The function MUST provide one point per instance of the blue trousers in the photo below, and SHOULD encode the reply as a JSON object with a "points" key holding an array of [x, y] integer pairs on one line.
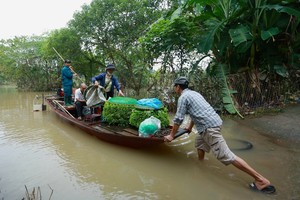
{"points": [[67, 94]]}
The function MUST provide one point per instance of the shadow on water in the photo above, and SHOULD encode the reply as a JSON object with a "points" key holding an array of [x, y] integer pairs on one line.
{"points": [[38, 149]]}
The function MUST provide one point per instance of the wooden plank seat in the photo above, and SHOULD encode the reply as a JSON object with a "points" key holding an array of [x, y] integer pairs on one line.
{"points": [[132, 131], [62, 103], [125, 133], [69, 108]]}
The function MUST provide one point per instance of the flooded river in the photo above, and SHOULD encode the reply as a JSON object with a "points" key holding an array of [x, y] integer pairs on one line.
{"points": [[37, 149]]}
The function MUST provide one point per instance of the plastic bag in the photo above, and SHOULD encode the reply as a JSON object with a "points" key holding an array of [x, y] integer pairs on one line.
{"points": [[150, 102], [123, 100], [149, 127], [86, 110], [94, 95]]}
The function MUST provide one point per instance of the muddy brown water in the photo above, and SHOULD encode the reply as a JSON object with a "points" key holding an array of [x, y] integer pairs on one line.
{"points": [[37, 149]]}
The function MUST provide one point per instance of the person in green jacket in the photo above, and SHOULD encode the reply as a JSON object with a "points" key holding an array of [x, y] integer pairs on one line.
{"points": [[67, 74]]}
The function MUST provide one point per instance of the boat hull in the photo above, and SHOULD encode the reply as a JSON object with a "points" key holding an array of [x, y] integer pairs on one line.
{"points": [[117, 135]]}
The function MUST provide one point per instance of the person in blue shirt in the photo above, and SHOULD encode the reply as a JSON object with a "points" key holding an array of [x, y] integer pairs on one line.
{"points": [[209, 138], [67, 74], [108, 81]]}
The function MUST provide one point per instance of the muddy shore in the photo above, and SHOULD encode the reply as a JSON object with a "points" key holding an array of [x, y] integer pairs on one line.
{"points": [[283, 127]]}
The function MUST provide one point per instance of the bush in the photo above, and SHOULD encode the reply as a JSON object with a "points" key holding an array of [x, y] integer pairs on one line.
{"points": [[117, 114]]}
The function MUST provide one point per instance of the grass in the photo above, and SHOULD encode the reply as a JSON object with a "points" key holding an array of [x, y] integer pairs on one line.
{"points": [[36, 194]]}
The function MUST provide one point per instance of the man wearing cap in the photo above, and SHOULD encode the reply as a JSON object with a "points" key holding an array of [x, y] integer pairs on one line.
{"points": [[67, 74], [108, 81], [208, 125]]}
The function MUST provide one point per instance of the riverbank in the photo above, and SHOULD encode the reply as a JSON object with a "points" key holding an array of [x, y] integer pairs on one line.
{"points": [[282, 127]]}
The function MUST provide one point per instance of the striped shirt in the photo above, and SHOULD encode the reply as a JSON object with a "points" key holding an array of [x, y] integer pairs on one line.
{"points": [[200, 111]]}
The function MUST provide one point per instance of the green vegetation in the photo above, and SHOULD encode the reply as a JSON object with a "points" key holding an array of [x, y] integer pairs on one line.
{"points": [[235, 53], [256, 38], [117, 114], [122, 111], [138, 116]]}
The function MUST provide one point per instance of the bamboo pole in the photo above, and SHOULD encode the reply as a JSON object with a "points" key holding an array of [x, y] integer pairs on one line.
{"points": [[69, 67], [63, 109]]}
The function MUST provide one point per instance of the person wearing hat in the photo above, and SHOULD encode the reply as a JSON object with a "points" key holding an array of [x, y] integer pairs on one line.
{"points": [[209, 138], [67, 74], [108, 81]]}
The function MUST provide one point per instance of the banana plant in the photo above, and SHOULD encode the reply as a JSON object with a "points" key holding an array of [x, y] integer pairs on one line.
{"points": [[243, 35], [227, 99], [249, 36]]}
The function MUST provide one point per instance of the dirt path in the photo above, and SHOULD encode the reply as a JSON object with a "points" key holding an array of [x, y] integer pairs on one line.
{"points": [[283, 127]]}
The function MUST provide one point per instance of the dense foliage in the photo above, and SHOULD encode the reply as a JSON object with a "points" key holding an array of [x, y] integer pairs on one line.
{"points": [[256, 37], [24, 64], [106, 31], [109, 30], [117, 114], [205, 40]]}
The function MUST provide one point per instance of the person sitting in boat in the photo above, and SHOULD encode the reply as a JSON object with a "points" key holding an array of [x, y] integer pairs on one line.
{"points": [[60, 92], [108, 81], [79, 100]]}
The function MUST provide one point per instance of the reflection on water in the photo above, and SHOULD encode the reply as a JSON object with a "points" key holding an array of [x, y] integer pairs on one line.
{"points": [[38, 149]]}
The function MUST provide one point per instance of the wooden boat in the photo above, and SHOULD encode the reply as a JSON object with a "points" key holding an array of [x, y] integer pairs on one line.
{"points": [[126, 136]]}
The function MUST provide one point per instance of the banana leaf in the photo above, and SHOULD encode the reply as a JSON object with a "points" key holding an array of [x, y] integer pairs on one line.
{"points": [[240, 35], [284, 9], [269, 33], [207, 39], [226, 91], [241, 38]]}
